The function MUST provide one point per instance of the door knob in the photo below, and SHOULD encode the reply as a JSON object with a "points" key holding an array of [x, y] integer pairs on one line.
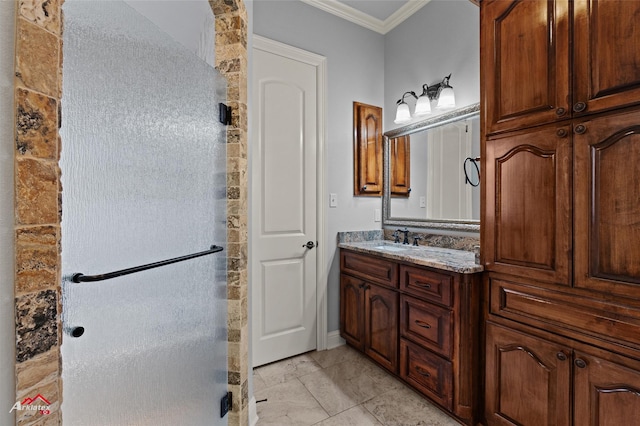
{"points": [[309, 245]]}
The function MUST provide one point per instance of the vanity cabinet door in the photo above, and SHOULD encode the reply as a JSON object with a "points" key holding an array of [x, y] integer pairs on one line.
{"points": [[607, 204], [352, 310], [367, 149], [525, 63], [381, 325], [528, 210], [528, 380], [606, 55]]}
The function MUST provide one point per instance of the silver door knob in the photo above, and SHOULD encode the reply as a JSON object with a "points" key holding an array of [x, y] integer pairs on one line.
{"points": [[309, 245]]}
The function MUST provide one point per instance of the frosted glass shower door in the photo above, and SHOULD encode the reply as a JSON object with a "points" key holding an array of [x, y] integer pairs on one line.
{"points": [[143, 166]]}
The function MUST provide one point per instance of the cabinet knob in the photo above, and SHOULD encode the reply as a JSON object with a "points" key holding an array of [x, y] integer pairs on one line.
{"points": [[560, 112], [579, 107], [580, 363], [580, 129], [561, 133], [364, 187], [561, 356]]}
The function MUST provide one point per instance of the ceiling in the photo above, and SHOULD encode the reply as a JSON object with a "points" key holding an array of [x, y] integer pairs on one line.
{"points": [[377, 15]]}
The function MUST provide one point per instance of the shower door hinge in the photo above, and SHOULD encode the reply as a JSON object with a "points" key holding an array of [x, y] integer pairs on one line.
{"points": [[226, 404], [225, 114]]}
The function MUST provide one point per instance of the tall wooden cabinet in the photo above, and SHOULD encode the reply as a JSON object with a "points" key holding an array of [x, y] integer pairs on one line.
{"points": [[561, 211]]}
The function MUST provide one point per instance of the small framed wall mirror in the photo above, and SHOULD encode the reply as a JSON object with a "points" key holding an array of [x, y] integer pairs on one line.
{"points": [[444, 167]]}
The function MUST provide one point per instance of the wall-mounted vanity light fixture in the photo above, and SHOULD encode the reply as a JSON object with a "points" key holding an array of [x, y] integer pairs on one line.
{"points": [[441, 91]]}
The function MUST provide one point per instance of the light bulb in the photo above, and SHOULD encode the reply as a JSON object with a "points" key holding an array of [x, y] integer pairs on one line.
{"points": [[446, 99], [402, 113], [423, 106]]}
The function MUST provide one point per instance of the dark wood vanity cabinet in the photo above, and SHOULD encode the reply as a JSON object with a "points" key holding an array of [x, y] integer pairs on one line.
{"points": [[561, 211], [419, 323]]}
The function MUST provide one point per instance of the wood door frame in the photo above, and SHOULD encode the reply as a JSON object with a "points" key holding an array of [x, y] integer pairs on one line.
{"points": [[322, 272]]}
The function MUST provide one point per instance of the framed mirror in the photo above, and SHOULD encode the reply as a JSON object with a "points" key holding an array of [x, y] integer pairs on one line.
{"points": [[445, 190]]}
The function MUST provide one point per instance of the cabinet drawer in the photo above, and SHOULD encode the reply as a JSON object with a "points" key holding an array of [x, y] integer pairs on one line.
{"points": [[372, 268], [586, 316], [427, 284], [427, 372], [426, 324]]}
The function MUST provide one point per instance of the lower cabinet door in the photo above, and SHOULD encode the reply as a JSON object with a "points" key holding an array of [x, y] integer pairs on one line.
{"points": [[606, 393], [528, 380], [381, 326], [351, 312], [427, 372]]}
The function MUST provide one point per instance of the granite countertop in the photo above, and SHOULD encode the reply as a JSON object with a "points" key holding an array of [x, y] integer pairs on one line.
{"points": [[460, 261]]}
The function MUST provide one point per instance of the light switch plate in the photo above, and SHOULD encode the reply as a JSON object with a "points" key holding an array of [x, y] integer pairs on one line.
{"points": [[377, 216], [423, 202], [333, 200]]}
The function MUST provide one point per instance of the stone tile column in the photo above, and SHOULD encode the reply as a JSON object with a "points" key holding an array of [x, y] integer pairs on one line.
{"points": [[38, 88], [231, 61]]}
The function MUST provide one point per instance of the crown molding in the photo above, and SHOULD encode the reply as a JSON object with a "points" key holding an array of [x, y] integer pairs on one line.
{"points": [[344, 11]]}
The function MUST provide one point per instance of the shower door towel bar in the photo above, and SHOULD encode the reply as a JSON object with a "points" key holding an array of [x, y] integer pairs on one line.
{"points": [[81, 278]]}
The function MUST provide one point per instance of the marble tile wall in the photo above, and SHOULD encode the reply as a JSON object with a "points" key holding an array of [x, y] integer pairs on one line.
{"points": [[38, 88]]}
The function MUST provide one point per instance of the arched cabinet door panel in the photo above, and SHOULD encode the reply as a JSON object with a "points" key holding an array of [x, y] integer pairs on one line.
{"points": [[527, 218], [528, 379], [605, 392], [607, 204], [351, 312], [381, 325]]}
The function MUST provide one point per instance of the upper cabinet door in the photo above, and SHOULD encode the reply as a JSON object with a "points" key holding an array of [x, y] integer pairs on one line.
{"points": [[527, 218], [367, 147], [606, 55], [607, 204], [524, 63], [400, 166]]}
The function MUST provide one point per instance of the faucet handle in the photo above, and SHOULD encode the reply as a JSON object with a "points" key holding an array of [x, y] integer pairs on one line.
{"points": [[396, 236], [416, 239]]}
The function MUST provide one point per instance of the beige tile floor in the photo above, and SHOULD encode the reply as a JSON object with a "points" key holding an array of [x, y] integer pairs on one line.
{"points": [[339, 387]]}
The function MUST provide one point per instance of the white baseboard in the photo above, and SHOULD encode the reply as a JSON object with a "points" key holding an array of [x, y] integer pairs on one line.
{"points": [[253, 412], [334, 340]]}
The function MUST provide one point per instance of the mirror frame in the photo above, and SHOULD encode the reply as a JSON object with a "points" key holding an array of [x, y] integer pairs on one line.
{"points": [[443, 224]]}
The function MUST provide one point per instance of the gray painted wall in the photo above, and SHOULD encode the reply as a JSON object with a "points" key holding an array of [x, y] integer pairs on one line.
{"points": [[441, 38], [355, 72], [7, 341]]}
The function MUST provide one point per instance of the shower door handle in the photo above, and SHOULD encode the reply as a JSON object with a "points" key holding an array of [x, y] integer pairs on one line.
{"points": [[309, 245]]}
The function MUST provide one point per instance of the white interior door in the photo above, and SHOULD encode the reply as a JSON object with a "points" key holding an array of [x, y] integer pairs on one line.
{"points": [[284, 218]]}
